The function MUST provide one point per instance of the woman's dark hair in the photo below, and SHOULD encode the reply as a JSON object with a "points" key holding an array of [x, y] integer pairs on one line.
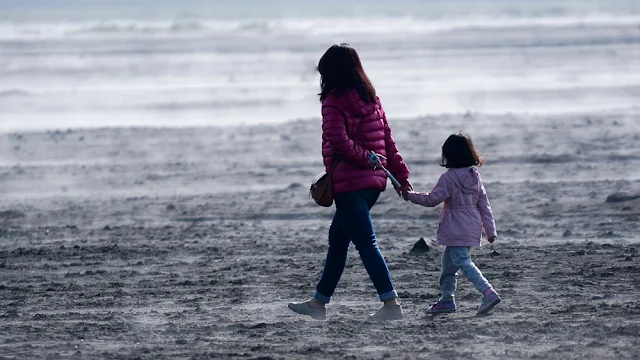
{"points": [[341, 70], [458, 152]]}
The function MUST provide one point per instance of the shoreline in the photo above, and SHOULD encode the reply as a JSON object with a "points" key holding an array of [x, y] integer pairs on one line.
{"points": [[595, 112]]}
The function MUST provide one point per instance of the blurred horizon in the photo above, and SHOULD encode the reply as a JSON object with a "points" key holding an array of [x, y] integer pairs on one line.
{"points": [[208, 63], [285, 8]]}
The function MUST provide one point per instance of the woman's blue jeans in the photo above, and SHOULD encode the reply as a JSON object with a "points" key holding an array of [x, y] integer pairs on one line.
{"points": [[352, 223]]}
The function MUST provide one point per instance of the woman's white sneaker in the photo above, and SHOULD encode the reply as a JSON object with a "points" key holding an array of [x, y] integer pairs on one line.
{"points": [[387, 314], [305, 308]]}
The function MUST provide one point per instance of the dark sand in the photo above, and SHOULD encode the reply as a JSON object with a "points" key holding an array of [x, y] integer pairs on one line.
{"points": [[188, 244]]}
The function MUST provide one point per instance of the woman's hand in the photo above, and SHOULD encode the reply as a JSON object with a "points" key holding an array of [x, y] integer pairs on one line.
{"points": [[404, 190], [380, 161]]}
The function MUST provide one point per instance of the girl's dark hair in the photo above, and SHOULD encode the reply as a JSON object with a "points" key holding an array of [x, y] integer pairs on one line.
{"points": [[341, 70], [458, 152]]}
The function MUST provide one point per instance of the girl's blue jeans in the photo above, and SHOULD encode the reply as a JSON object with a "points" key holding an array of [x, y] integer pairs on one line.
{"points": [[456, 258]]}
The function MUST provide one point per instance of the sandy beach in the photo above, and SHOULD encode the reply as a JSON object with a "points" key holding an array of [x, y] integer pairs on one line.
{"points": [[188, 243], [155, 161]]}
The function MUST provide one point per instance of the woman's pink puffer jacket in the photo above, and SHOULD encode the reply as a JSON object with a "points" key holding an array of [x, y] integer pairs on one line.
{"points": [[351, 129]]}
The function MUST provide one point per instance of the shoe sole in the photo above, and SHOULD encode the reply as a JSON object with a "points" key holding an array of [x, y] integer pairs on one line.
{"points": [[369, 319], [395, 316], [321, 318], [373, 321], [442, 311], [489, 306]]}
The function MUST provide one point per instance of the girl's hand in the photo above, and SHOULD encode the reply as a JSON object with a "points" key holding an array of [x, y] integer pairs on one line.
{"points": [[491, 239]]}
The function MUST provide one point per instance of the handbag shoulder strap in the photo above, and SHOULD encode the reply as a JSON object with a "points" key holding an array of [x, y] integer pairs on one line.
{"points": [[336, 159], [333, 166]]}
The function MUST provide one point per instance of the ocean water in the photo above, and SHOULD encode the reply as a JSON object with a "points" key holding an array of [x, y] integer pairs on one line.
{"points": [[75, 64]]}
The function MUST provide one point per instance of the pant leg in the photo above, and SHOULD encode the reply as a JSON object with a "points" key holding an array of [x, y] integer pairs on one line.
{"points": [[460, 257], [335, 262], [353, 213], [449, 277], [371, 198]]}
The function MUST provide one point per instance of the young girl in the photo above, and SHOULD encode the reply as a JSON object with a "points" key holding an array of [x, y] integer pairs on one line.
{"points": [[466, 211]]}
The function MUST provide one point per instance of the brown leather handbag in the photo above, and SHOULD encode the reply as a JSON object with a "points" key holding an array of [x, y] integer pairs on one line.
{"points": [[322, 186]]}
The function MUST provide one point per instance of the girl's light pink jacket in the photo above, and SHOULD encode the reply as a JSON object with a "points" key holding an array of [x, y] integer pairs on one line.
{"points": [[466, 207]]}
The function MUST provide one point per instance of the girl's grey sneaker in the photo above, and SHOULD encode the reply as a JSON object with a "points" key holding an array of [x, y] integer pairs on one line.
{"points": [[386, 314], [489, 300], [305, 308]]}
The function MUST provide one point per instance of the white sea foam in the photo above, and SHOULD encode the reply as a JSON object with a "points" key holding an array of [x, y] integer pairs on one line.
{"points": [[223, 67], [368, 25]]}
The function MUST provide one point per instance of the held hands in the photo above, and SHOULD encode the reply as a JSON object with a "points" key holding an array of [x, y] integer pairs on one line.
{"points": [[404, 190], [491, 239]]}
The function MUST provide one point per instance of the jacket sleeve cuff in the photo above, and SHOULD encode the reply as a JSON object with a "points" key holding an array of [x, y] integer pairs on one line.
{"points": [[414, 198]]}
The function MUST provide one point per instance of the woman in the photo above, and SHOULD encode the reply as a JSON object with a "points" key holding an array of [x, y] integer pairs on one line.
{"points": [[354, 125]]}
